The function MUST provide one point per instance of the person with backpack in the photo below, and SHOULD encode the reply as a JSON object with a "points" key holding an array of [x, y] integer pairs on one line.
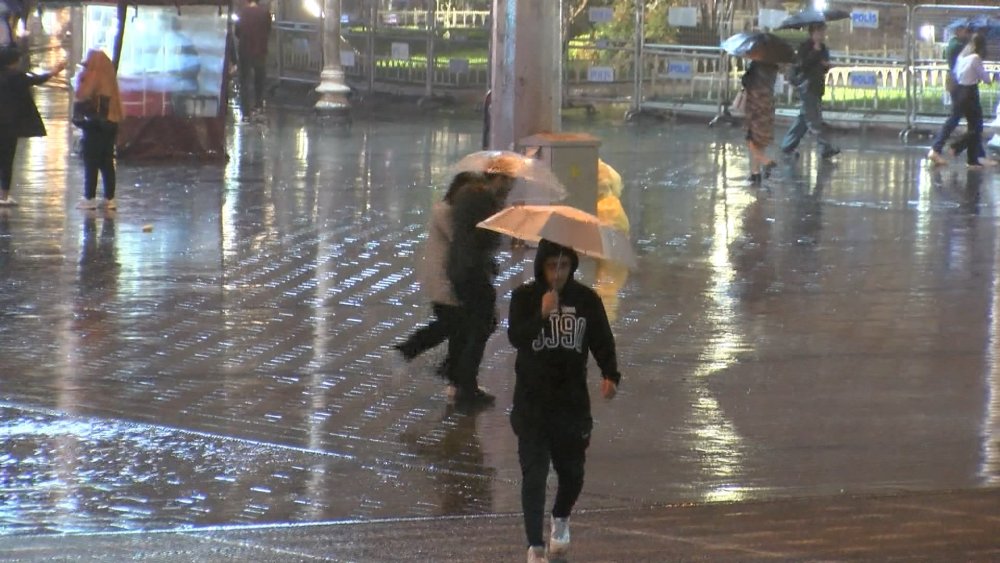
{"points": [[813, 64]]}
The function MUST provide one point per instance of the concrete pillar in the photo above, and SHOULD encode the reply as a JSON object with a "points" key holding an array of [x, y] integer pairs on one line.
{"points": [[332, 89], [527, 70]]}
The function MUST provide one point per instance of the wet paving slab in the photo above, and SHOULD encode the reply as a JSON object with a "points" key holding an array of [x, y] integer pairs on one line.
{"points": [[832, 332]]}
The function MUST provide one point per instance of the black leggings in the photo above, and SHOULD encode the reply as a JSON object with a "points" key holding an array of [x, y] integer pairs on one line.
{"points": [[99, 156], [8, 147]]}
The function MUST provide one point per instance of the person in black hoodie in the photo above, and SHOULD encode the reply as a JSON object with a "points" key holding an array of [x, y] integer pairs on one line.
{"points": [[555, 322]]}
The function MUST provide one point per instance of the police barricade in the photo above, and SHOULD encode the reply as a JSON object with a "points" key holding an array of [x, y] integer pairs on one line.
{"points": [[931, 28], [357, 27], [403, 51], [297, 51], [460, 46], [599, 66], [690, 73], [870, 79], [683, 77]]}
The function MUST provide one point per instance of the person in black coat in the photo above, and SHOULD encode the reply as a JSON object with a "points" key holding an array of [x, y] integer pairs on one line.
{"points": [[19, 117], [471, 269], [555, 324]]}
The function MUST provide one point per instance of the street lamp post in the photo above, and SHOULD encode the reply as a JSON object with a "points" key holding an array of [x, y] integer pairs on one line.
{"points": [[332, 89]]}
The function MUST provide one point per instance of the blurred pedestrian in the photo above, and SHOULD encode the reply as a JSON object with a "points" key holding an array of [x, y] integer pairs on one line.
{"points": [[253, 29], [610, 276], [957, 43], [19, 117], [471, 267], [810, 81], [434, 274], [969, 72], [555, 324], [98, 87], [758, 85]]}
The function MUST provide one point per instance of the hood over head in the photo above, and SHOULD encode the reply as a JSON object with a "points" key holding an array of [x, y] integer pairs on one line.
{"points": [[548, 249]]}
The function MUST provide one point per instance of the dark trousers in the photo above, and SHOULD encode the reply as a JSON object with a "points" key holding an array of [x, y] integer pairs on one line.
{"points": [[252, 76], [972, 110], [466, 345], [964, 103], [99, 156], [436, 331], [810, 119], [535, 450], [8, 148]]}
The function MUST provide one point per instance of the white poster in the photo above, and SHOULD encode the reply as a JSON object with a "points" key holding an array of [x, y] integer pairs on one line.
{"points": [[683, 17], [601, 15], [769, 18], [346, 57], [401, 51]]}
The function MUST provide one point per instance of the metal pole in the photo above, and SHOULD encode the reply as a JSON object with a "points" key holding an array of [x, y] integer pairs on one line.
{"points": [[372, 25], [332, 89], [431, 36], [640, 39]]}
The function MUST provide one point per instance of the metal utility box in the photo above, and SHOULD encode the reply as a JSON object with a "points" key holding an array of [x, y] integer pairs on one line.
{"points": [[573, 159]]}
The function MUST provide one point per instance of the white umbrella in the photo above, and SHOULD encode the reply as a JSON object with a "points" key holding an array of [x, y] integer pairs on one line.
{"points": [[568, 226], [534, 182]]}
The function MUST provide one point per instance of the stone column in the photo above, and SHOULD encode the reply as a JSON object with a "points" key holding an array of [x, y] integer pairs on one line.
{"points": [[526, 70], [332, 89]]}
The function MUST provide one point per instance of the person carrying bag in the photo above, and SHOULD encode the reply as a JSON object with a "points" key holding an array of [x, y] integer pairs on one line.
{"points": [[97, 111]]}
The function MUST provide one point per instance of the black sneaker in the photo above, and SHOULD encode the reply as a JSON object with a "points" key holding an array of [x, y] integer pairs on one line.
{"points": [[477, 399], [755, 178], [831, 152]]}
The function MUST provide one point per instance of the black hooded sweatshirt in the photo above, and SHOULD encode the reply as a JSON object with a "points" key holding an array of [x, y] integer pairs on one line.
{"points": [[550, 391]]}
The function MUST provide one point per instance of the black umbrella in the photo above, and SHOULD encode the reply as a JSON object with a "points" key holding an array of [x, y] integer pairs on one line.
{"points": [[809, 17], [759, 46]]}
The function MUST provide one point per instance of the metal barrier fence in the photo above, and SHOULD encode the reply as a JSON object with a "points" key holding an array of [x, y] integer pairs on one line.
{"points": [[602, 67], [888, 57]]}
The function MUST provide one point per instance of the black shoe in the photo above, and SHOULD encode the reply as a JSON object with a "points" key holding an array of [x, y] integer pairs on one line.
{"points": [[830, 152], [768, 168], [476, 399], [755, 178]]}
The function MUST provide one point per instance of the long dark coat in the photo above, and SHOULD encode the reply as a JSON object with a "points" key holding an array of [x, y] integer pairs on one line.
{"points": [[18, 114]]}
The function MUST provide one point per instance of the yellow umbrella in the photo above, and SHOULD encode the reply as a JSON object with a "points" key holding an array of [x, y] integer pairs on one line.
{"points": [[568, 226]]}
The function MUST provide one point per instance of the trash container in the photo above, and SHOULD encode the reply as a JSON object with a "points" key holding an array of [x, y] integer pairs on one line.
{"points": [[573, 159]]}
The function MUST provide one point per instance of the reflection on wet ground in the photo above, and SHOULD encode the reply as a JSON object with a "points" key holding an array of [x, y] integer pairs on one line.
{"points": [[832, 331]]}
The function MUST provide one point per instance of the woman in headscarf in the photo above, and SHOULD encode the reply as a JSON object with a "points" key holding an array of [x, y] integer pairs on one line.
{"points": [[758, 83], [19, 116], [99, 85]]}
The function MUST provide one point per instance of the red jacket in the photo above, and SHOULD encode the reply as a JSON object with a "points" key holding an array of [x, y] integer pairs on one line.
{"points": [[252, 30]]}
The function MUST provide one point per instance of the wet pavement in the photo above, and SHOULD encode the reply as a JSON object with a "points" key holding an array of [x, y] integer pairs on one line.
{"points": [[215, 353]]}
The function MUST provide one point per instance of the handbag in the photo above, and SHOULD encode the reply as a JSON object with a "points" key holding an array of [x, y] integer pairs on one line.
{"points": [[91, 113], [739, 104]]}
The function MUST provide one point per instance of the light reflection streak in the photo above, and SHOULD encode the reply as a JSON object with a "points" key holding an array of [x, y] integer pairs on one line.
{"points": [[717, 440], [989, 467]]}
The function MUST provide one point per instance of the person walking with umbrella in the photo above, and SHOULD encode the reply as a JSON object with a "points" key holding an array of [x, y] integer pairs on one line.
{"points": [[435, 280], [954, 51], [969, 72], [765, 51], [555, 324], [813, 64], [758, 84]]}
